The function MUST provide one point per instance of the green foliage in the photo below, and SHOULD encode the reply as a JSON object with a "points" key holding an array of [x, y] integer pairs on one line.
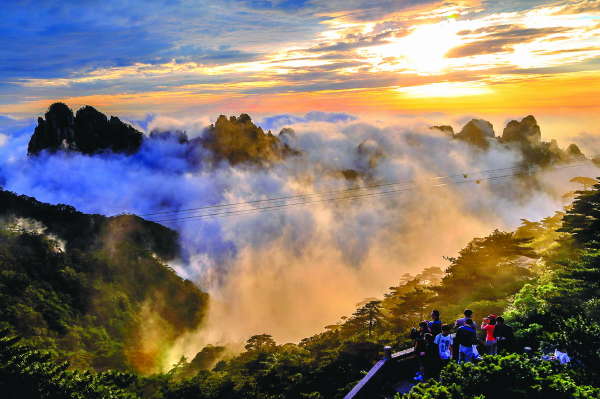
{"points": [[367, 316], [89, 299], [29, 373], [580, 337], [260, 343], [498, 377], [490, 268], [582, 220]]}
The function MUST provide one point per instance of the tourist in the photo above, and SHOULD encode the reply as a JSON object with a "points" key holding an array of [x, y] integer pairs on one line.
{"points": [[466, 339], [435, 325], [468, 315], [423, 343], [503, 334], [488, 326], [444, 342]]}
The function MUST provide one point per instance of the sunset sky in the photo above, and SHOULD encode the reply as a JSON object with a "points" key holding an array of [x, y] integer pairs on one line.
{"points": [[497, 59]]}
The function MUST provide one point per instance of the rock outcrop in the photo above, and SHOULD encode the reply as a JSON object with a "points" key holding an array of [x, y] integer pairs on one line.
{"points": [[477, 132], [239, 140], [574, 151], [445, 129], [524, 136], [525, 132], [88, 132]]}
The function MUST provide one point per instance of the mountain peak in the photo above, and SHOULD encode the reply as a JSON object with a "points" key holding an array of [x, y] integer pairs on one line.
{"points": [[526, 132], [477, 132], [88, 132]]}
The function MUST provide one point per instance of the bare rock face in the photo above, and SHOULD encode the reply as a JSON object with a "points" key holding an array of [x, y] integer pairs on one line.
{"points": [[574, 151], [287, 135], [445, 129], [88, 132], [525, 132], [477, 132], [54, 132], [239, 140]]}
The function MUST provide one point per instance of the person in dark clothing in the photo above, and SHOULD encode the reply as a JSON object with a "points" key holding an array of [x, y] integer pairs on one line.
{"points": [[419, 336], [504, 335], [423, 343], [466, 338], [435, 325], [468, 315], [431, 360]]}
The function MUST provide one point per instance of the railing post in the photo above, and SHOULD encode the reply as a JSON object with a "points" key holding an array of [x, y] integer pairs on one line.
{"points": [[387, 352]]}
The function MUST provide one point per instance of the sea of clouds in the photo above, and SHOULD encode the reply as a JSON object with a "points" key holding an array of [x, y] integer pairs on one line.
{"points": [[292, 270]]}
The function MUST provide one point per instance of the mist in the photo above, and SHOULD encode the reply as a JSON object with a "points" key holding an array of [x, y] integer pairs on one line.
{"points": [[290, 271]]}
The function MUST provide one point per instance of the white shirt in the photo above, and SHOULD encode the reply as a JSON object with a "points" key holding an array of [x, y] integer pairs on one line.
{"points": [[443, 343]]}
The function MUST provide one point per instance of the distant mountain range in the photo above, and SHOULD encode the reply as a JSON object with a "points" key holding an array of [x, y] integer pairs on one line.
{"points": [[238, 140]]}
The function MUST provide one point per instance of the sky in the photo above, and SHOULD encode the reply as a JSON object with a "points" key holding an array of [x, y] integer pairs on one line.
{"points": [[438, 59]]}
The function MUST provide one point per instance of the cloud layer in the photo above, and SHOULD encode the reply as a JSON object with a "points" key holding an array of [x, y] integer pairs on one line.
{"points": [[216, 51], [290, 271]]}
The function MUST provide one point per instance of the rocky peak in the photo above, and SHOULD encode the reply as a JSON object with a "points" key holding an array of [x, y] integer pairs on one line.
{"points": [[574, 151], [477, 132], [446, 129], [525, 132], [239, 140], [287, 135], [60, 121], [89, 131]]}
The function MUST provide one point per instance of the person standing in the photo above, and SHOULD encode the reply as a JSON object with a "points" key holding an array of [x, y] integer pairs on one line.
{"points": [[468, 313], [435, 325], [460, 322], [488, 326], [444, 342], [423, 342], [466, 338], [504, 335]]}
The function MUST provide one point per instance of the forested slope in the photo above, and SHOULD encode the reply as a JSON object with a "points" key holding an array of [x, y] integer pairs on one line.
{"points": [[92, 289], [544, 278]]}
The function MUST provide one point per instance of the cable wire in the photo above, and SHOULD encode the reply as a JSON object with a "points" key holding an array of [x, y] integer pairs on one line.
{"points": [[300, 196], [224, 213]]}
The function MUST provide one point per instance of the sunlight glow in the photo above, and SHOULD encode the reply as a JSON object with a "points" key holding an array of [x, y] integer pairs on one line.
{"points": [[422, 51], [446, 89]]}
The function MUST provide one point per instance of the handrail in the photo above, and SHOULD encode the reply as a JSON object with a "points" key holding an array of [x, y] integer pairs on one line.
{"points": [[366, 379], [360, 390]]}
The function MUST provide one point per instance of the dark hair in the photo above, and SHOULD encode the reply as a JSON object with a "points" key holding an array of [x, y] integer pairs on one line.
{"points": [[500, 319], [492, 321], [446, 327], [435, 312], [468, 313], [423, 324], [469, 322]]}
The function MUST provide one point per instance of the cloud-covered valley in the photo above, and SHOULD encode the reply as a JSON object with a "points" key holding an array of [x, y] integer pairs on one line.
{"points": [[270, 270]]}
